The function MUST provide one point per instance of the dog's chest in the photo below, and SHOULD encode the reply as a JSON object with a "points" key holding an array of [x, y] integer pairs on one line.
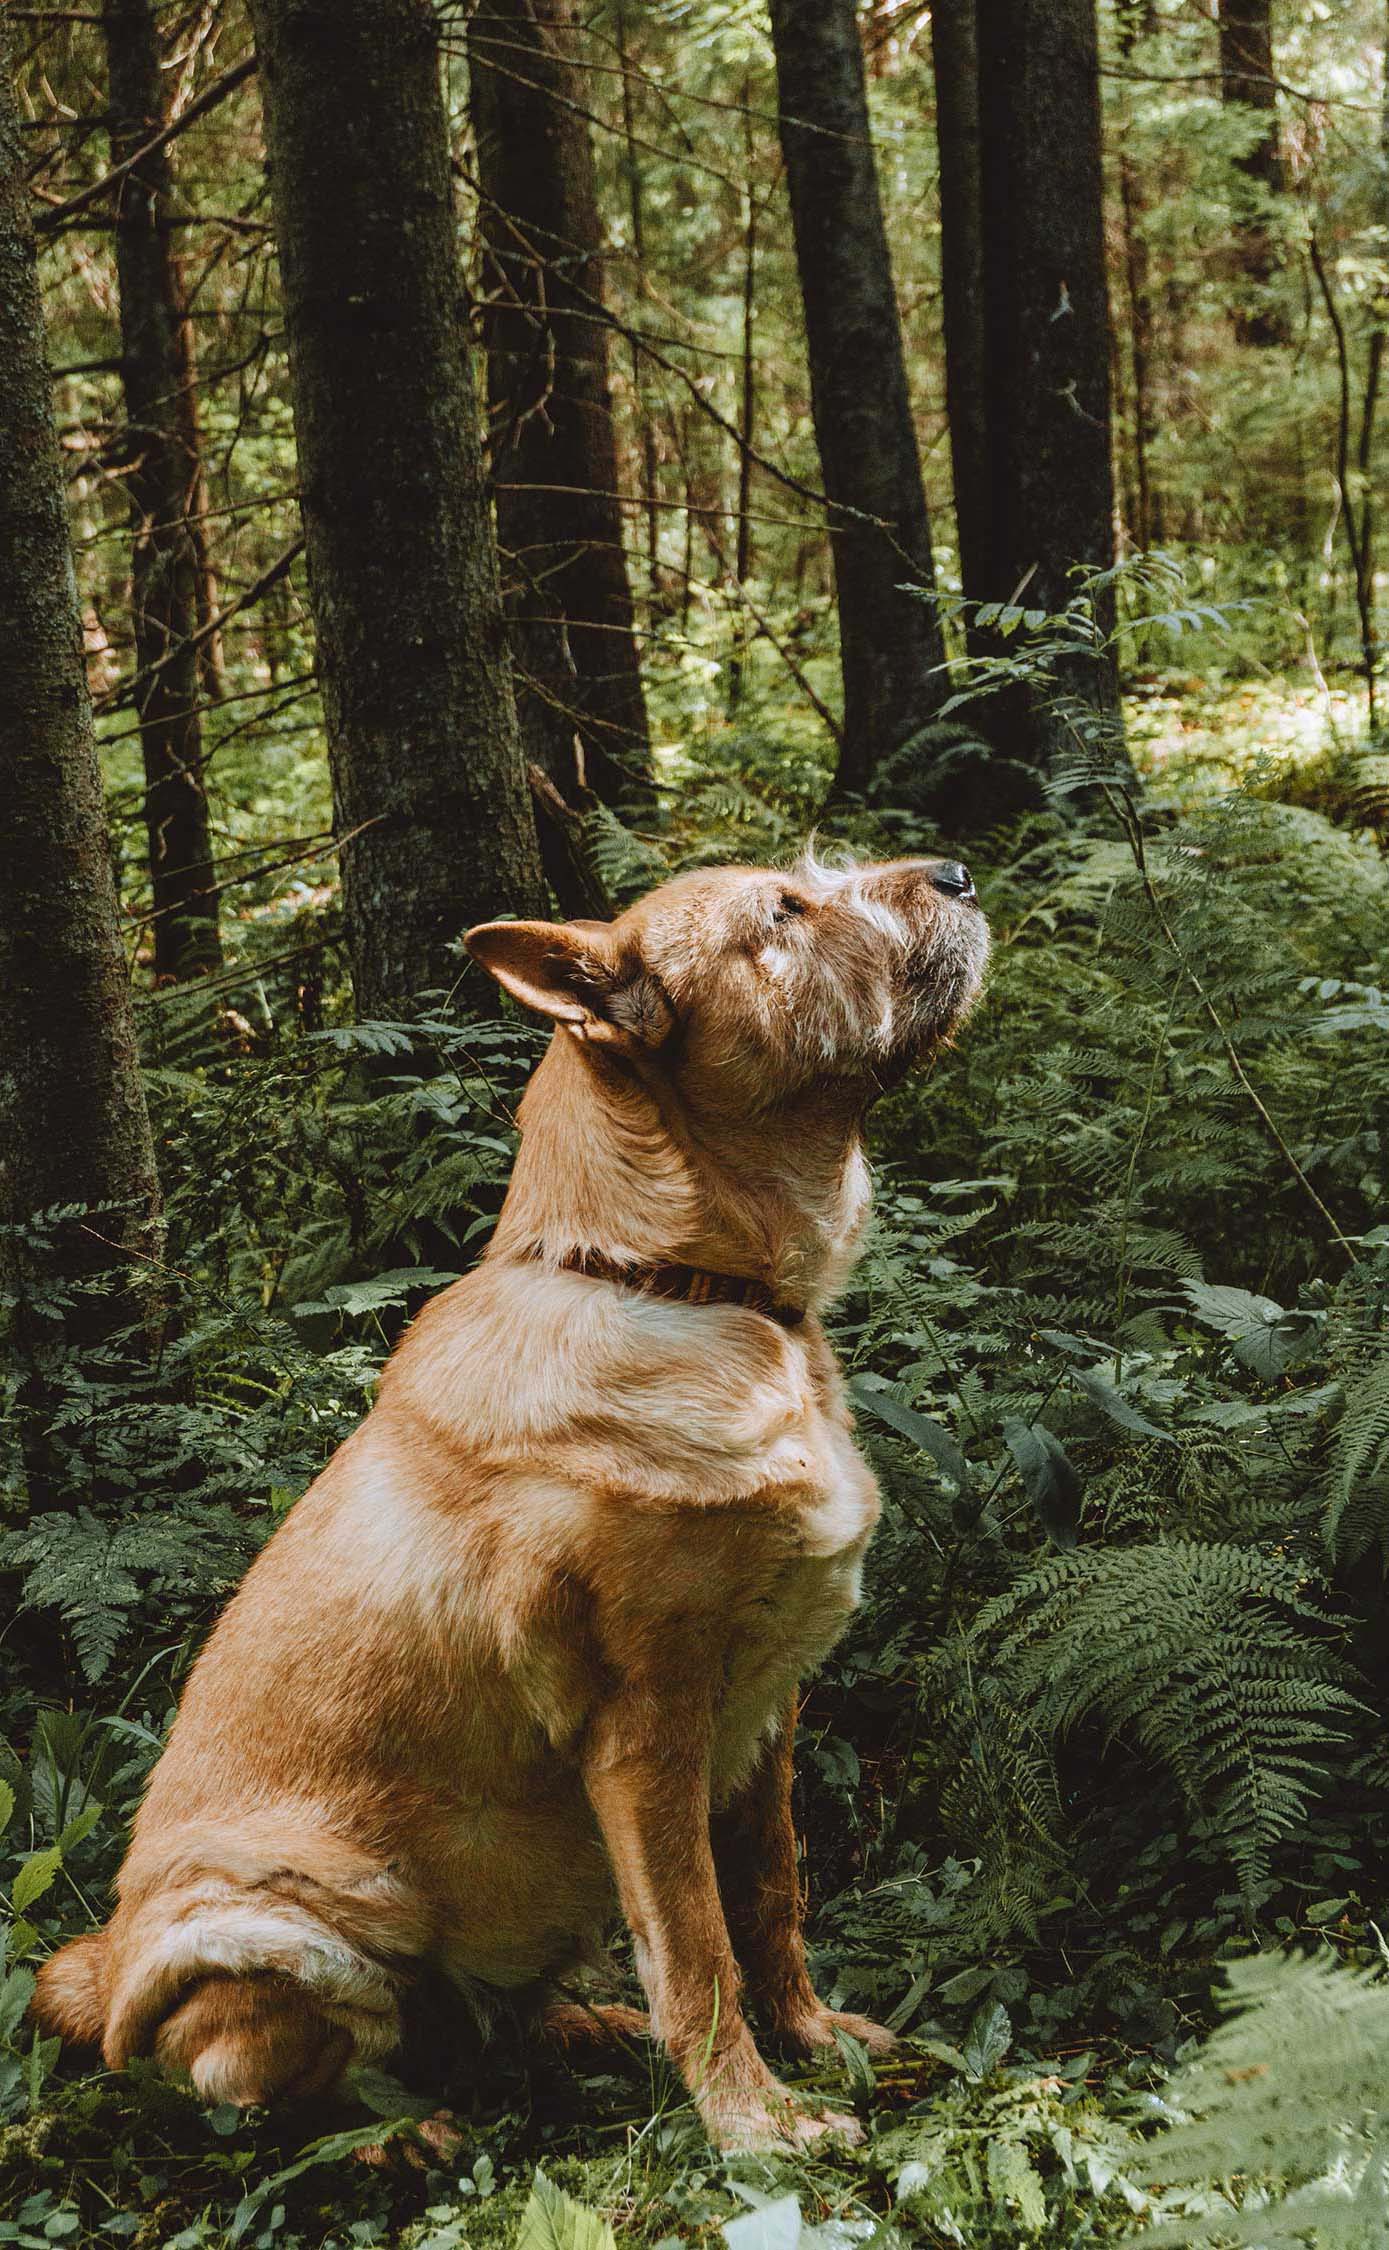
{"points": [[790, 1620]]}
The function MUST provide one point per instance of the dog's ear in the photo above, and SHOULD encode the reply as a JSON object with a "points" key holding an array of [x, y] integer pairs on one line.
{"points": [[577, 973]]}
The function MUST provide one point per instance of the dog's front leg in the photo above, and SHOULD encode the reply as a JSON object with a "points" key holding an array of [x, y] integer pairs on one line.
{"points": [[755, 1852], [647, 1774]]}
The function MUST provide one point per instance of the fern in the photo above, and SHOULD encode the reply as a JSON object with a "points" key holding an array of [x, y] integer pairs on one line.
{"points": [[1287, 2102], [98, 1575], [1210, 1658], [1357, 1508]]}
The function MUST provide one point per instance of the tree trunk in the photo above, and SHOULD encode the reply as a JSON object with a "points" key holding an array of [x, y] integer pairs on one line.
{"points": [[747, 413], [636, 210], [163, 477], [955, 55], [1246, 78], [891, 647], [554, 453], [1048, 345], [1137, 19], [73, 1126], [429, 787]]}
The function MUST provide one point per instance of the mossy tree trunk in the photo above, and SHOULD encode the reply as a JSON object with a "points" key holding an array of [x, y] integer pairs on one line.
{"points": [[73, 1125], [430, 793], [891, 645], [163, 478], [554, 452]]}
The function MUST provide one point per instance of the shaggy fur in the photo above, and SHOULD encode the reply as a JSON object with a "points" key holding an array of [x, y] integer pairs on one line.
{"points": [[530, 1646]]}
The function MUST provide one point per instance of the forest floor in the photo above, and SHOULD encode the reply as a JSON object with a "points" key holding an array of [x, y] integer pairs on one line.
{"points": [[1032, 1189]]}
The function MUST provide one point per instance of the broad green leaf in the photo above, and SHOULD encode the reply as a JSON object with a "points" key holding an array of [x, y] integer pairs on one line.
{"points": [[1113, 1403], [1261, 1332], [857, 2067], [776, 2226], [1050, 1478], [36, 1876], [77, 1829], [6, 1806], [16, 1991], [921, 1430], [553, 2220], [987, 2040]]}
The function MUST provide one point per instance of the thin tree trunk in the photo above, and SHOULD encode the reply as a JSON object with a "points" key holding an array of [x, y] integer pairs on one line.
{"points": [[212, 664], [1137, 19], [429, 786], [163, 477], [1246, 78], [955, 55], [1048, 343], [73, 1125], [636, 208], [554, 458], [891, 646], [747, 410]]}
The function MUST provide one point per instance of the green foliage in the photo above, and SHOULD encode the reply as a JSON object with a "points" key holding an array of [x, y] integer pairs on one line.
{"points": [[1285, 2102], [1198, 1654]]}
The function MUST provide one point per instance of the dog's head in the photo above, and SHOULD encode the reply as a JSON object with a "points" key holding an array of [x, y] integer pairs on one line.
{"points": [[744, 985]]}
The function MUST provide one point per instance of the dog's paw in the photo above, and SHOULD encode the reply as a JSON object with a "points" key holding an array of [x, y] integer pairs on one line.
{"points": [[430, 2144], [587, 2030], [813, 2031], [771, 2127]]}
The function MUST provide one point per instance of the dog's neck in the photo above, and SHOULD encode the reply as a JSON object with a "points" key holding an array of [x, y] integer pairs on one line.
{"points": [[615, 1163]]}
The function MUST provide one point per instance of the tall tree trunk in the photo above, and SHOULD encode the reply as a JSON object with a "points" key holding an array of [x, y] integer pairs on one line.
{"points": [[554, 458], [1137, 19], [747, 412], [955, 56], [1246, 78], [429, 787], [163, 476], [1048, 341], [891, 645], [73, 1127], [636, 211]]}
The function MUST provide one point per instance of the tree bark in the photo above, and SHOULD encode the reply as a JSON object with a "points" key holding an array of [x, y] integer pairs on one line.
{"points": [[73, 1125], [747, 414], [955, 57], [554, 449], [163, 477], [1048, 351], [1246, 78], [891, 646], [1137, 19], [429, 785]]}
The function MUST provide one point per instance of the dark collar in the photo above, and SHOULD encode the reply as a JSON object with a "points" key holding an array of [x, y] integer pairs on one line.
{"points": [[696, 1285]]}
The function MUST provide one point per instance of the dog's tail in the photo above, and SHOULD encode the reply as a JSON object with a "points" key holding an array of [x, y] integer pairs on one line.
{"points": [[73, 1991]]}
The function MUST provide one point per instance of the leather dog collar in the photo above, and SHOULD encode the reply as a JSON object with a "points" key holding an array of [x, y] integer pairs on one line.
{"points": [[695, 1285]]}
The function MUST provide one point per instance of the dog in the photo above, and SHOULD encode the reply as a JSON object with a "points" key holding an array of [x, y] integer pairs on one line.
{"points": [[529, 1648]]}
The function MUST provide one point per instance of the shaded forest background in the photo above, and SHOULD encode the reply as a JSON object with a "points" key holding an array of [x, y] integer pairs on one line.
{"points": [[468, 460]]}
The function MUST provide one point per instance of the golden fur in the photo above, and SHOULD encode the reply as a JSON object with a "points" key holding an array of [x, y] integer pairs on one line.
{"points": [[530, 1646]]}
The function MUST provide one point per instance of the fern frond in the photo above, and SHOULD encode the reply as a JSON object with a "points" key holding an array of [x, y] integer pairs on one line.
{"points": [[1199, 1654], [1357, 1510], [1291, 2089]]}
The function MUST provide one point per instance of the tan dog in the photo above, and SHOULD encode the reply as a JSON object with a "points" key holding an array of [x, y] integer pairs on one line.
{"points": [[535, 1634]]}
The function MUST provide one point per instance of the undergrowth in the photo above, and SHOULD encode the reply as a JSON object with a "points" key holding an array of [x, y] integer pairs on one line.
{"points": [[1111, 1719]]}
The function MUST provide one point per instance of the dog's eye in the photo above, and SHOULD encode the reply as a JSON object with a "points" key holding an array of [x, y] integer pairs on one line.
{"points": [[789, 905]]}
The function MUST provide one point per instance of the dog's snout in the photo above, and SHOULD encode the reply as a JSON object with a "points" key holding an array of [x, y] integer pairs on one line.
{"points": [[950, 876]]}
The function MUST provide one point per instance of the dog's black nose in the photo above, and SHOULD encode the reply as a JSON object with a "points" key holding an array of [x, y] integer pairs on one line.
{"points": [[956, 881]]}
